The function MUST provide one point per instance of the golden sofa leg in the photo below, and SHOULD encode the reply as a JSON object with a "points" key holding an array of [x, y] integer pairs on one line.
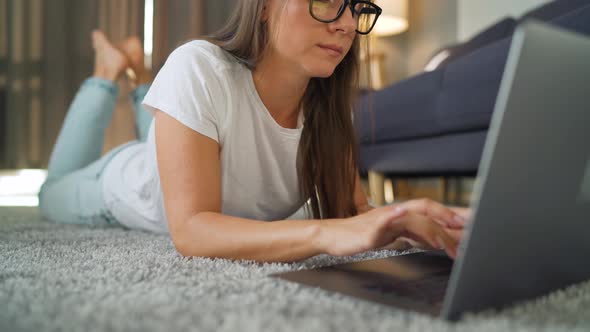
{"points": [[402, 189], [376, 188]]}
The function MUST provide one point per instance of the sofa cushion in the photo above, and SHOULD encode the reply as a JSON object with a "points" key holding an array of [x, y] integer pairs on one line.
{"points": [[505, 27], [499, 30], [470, 84], [457, 98], [469, 89], [399, 112], [554, 9], [578, 20]]}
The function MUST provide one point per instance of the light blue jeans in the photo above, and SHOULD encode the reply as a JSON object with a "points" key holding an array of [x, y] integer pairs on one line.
{"points": [[72, 192]]}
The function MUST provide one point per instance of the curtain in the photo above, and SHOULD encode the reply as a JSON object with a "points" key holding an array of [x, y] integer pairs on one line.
{"points": [[46, 53], [67, 59], [20, 82], [176, 22], [3, 79]]}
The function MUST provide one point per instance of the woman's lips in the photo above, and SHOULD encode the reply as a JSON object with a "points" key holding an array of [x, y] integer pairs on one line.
{"points": [[332, 49]]}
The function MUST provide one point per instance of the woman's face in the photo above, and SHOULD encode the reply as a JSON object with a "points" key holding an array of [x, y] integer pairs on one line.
{"points": [[315, 47]]}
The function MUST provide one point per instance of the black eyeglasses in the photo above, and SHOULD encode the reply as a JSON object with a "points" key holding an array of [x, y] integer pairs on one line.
{"points": [[365, 12]]}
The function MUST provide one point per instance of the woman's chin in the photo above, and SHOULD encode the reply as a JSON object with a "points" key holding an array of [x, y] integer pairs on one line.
{"points": [[320, 69], [327, 75], [323, 72]]}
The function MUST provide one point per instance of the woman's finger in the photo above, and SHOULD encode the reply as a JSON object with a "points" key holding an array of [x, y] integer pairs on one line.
{"points": [[437, 212], [450, 253], [462, 211], [455, 234], [415, 230], [449, 246]]}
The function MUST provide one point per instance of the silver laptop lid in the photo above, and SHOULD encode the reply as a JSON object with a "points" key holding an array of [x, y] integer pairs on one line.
{"points": [[530, 228]]}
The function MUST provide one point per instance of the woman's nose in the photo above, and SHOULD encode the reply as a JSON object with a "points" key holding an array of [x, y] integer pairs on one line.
{"points": [[346, 23]]}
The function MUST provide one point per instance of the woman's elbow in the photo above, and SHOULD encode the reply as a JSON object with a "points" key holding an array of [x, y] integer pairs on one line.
{"points": [[179, 244], [188, 249]]}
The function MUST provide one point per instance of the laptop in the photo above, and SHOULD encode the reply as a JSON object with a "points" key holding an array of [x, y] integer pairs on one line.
{"points": [[529, 231]]}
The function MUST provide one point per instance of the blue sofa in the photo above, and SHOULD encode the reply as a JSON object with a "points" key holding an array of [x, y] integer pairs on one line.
{"points": [[435, 123]]}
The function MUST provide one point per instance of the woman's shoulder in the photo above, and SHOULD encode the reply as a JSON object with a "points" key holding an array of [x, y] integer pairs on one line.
{"points": [[205, 53]]}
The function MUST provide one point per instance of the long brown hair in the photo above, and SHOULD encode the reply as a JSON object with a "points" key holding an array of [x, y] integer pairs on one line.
{"points": [[328, 153]]}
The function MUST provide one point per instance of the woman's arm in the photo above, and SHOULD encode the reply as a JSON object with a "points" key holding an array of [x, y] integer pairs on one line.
{"points": [[210, 234], [216, 235]]}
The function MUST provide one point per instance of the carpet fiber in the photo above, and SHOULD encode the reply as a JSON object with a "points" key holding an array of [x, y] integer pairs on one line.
{"points": [[78, 278]]}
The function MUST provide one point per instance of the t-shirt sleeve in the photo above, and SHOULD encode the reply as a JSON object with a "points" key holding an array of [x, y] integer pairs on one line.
{"points": [[186, 88]]}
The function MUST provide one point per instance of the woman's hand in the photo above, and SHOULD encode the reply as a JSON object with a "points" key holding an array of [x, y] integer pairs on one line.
{"points": [[449, 217], [453, 219], [380, 227]]}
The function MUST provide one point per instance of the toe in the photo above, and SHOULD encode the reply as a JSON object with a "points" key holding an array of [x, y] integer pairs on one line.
{"points": [[99, 40]]}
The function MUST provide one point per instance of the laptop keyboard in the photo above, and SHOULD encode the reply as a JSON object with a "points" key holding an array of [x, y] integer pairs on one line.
{"points": [[430, 289]]}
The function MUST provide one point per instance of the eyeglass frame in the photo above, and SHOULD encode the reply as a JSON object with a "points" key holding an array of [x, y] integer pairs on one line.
{"points": [[350, 4]]}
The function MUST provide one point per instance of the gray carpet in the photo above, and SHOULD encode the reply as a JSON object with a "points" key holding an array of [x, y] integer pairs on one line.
{"points": [[76, 278]]}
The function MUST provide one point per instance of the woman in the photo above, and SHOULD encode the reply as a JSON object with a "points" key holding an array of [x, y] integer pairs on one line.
{"points": [[248, 126]]}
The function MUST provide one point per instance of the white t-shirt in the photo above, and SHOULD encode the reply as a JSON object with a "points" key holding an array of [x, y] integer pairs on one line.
{"points": [[209, 91]]}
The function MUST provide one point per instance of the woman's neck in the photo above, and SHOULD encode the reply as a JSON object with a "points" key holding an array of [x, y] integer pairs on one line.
{"points": [[281, 88]]}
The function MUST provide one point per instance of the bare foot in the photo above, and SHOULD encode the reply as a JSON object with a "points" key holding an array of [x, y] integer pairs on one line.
{"points": [[133, 50], [109, 62]]}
